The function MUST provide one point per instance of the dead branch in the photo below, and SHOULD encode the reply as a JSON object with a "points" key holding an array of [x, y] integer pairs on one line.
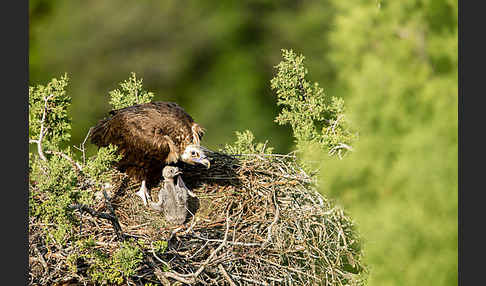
{"points": [[193, 276], [75, 164], [256, 228], [42, 130], [108, 216], [225, 275], [81, 146]]}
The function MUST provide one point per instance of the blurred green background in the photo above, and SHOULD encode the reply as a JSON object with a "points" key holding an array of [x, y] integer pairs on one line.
{"points": [[395, 64]]}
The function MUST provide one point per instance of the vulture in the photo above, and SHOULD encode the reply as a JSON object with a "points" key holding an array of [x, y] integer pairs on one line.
{"points": [[172, 197], [150, 136]]}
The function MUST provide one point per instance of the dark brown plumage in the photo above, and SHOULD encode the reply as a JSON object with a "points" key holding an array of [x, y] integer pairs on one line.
{"points": [[150, 136]]}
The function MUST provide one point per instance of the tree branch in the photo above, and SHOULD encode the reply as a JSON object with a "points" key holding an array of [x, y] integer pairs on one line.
{"points": [[225, 275], [109, 216], [76, 164], [191, 278], [81, 147], [275, 219], [216, 250], [42, 130], [338, 148]]}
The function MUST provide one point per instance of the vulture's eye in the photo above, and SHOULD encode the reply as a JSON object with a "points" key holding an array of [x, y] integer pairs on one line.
{"points": [[193, 153]]}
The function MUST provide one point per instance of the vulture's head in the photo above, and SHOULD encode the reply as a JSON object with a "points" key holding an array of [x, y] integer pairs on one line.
{"points": [[194, 154], [169, 172]]}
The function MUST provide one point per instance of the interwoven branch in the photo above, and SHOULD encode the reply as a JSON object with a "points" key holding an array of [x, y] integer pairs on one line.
{"points": [[264, 224]]}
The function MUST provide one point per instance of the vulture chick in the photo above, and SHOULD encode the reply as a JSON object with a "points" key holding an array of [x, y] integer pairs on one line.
{"points": [[172, 197], [150, 136]]}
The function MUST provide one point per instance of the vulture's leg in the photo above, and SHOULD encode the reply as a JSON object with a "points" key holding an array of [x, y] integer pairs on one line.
{"points": [[143, 193]]}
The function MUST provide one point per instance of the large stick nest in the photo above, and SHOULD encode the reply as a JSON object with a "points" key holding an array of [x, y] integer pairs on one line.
{"points": [[257, 220]]}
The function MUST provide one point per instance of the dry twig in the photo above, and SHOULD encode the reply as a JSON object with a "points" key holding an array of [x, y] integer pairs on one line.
{"points": [[258, 220], [43, 130]]}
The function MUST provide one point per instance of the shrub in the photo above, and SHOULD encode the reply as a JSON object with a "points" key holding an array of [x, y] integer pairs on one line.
{"points": [[259, 189], [315, 118]]}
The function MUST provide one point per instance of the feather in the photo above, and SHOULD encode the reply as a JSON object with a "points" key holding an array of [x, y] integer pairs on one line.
{"points": [[149, 136]]}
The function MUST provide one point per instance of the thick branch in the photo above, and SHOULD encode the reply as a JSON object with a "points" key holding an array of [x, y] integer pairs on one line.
{"points": [[85, 208], [109, 216]]}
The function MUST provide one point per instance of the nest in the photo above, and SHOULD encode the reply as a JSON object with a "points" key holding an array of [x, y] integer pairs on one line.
{"points": [[256, 220]]}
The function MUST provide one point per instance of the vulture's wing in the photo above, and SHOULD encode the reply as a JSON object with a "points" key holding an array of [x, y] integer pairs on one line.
{"points": [[154, 131], [182, 191], [159, 206]]}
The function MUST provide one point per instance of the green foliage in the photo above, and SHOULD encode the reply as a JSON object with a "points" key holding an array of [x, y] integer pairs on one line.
{"points": [[393, 62], [244, 145], [160, 246], [127, 258], [398, 74], [54, 176], [314, 117], [54, 187], [219, 72], [56, 181], [131, 93], [52, 190], [98, 169], [48, 112], [107, 269], [52, 181]]}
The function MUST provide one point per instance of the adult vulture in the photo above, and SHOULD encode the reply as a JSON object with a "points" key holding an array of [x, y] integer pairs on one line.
{"points": [[150, 136]]}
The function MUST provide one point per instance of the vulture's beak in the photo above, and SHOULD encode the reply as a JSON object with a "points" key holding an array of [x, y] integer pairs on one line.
{"points": [[204, 161]]}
